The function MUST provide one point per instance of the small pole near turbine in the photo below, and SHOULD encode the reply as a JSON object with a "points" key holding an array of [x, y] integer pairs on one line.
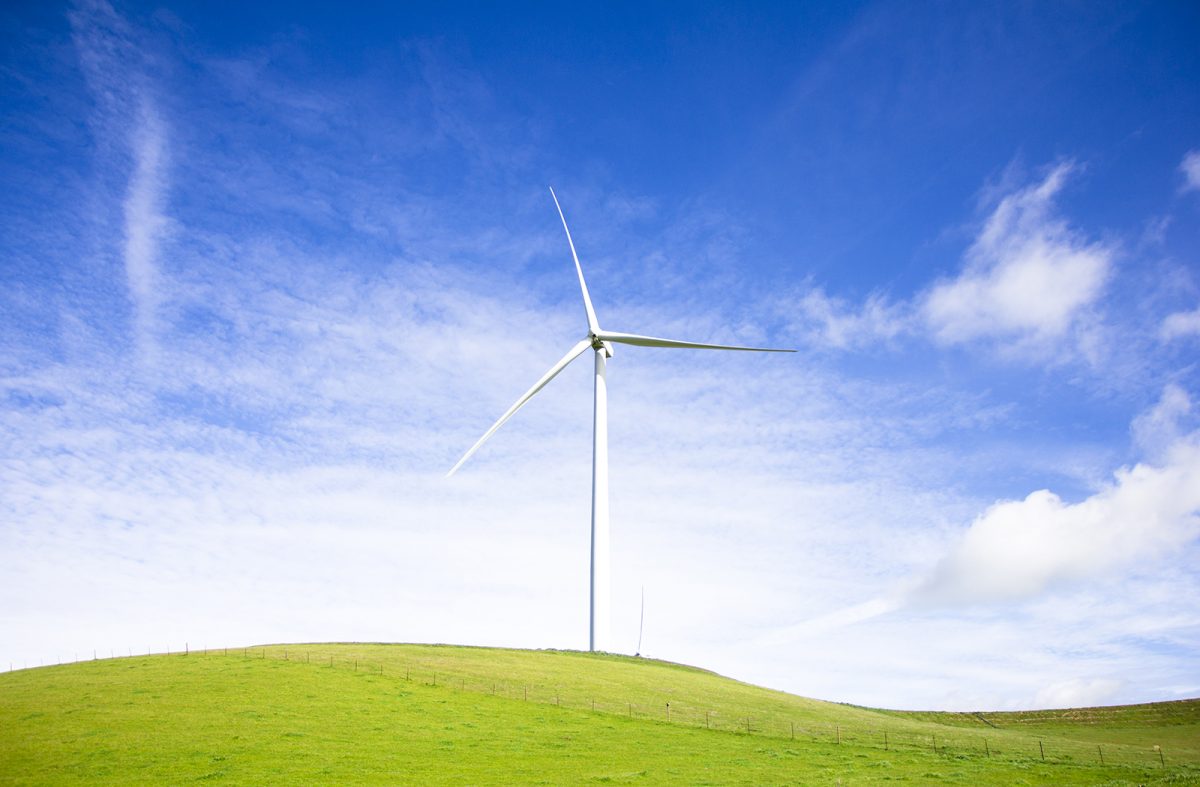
{"points": [[641, 622]]}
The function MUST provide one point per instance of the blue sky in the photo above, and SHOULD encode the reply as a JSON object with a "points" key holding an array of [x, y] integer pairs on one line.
{"points": [[269, 270]]}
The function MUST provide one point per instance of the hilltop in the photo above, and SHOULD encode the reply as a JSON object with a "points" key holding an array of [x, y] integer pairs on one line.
{"points": [[353, 712]]}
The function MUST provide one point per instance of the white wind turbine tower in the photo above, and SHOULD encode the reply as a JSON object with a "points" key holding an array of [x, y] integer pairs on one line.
{"points": [[600, 341]]}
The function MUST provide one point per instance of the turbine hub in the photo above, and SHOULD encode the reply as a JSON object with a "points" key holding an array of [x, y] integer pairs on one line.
{"points": [[600, 344]]}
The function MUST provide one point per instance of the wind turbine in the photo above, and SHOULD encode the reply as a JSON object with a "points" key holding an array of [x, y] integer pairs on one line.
{"points": [[601, 342]]}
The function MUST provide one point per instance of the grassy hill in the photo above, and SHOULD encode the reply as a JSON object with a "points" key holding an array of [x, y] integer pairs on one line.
{"points": [[418, 714]]}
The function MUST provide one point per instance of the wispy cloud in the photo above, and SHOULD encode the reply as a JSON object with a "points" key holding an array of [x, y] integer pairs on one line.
{"points": [[836, 323], [144, 219], [1180, 325], [1077, 693], [1160, 427], [1029, 277], [1190, 167], [132, 145]]}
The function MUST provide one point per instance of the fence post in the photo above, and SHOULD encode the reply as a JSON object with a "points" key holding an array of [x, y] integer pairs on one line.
{"points": [[1042, 749], [1161, 761], [668, 711], [838, 728], [793, 730], [885, 741], [1101, 753], [987, 750], [706, 725]]}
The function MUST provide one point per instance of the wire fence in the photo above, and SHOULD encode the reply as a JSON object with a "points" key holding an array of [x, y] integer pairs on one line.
{"points": [[1016, 746], [1019, 746]]}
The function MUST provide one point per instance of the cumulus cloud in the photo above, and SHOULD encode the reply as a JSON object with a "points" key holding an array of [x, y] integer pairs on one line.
{"points": [[1029, 277], [1029, 285], [1190, 167], [1016, 549], [1180, 324]]}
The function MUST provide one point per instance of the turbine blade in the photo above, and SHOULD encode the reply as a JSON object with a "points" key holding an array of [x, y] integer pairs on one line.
{"points": [[593, 326], [571, 355], [650, 341]]}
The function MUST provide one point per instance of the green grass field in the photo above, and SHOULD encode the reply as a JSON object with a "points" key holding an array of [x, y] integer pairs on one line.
{"points": [[420, 714]]}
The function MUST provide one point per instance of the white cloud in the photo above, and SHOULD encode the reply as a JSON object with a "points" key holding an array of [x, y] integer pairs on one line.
{"points": [[1159, 427], [1077, 693], [131, 146], [1017, 549], [1190, 167], [1029, 285], [1180, 324], [1029, 278], [1013, 605], [833, 322], [144, 220]]}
